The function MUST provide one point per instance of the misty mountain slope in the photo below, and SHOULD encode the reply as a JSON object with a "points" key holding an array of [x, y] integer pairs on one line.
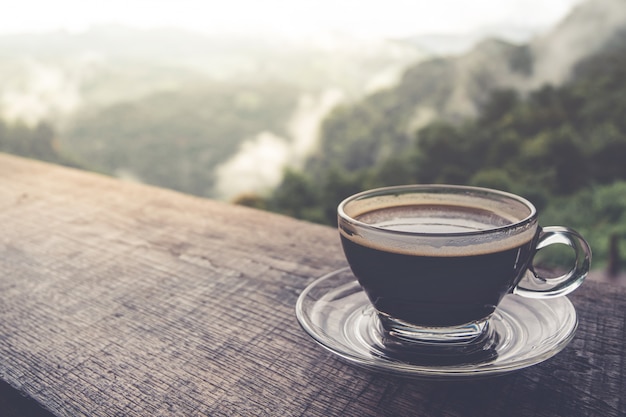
{"points": [[184, 110], [455, 88], [176, 139], [452, 88], [468, 81], [586, 30]]}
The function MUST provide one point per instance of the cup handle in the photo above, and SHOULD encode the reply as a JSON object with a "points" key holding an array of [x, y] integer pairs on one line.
{"points": [[541, 287]]}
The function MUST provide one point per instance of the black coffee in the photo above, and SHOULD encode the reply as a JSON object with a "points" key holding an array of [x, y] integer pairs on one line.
{"points": [[432, 286]]}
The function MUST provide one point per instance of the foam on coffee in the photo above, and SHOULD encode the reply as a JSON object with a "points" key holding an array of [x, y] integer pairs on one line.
{"points": [[451, 223]]}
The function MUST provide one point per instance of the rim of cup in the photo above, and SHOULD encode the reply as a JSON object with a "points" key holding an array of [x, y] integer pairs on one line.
{"points": [[435, 189]]}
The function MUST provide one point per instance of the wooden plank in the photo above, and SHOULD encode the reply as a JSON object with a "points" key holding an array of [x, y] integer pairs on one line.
{"points": [[124, 299]]}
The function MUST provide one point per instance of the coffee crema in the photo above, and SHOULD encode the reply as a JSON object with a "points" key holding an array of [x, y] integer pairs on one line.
{"points": [[450, 229]]}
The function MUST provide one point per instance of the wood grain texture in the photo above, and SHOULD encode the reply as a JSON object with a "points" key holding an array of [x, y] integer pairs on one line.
{"points": [[120, 299]]}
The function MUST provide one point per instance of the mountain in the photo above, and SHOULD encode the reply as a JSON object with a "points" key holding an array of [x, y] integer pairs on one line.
{"points": [[54, 75], [456, 88], [181, 109], [442, 44], [219, 116]]}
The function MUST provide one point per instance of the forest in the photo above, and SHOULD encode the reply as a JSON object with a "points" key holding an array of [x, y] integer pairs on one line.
{"points": [[37, 142], [564, 148]]}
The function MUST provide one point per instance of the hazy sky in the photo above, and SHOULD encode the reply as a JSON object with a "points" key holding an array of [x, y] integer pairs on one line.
{"points": [[294, 17]]}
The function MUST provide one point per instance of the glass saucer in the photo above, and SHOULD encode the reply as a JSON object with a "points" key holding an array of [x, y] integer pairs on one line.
{"points": [[337, 314]]}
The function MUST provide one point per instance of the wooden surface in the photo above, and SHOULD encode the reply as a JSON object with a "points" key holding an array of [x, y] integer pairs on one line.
{"points": [[119, 299]]}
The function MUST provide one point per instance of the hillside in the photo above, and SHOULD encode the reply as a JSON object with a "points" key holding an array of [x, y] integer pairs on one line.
{"points": [[182, 110], [458, 87]]}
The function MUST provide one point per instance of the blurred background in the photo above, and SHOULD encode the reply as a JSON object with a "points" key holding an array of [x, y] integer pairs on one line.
{"points": [[290, 106]]}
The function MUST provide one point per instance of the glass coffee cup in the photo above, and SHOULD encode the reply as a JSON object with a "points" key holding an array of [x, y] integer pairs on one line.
{"points": [[436, 260]]}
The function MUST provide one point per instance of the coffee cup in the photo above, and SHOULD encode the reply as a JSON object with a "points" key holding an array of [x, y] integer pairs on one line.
{"points": [[436, 260]]}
